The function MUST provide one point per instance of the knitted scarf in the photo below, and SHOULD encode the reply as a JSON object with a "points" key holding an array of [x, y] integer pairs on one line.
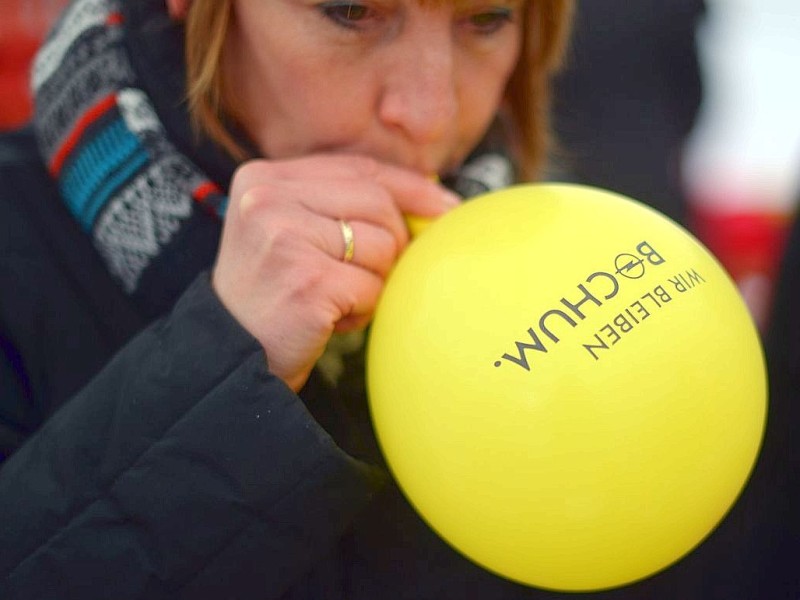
{"points": [[152, 212]]}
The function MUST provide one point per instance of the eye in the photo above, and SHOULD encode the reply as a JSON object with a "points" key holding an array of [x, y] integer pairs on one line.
{"points": [[490, 21], [346, 14]]}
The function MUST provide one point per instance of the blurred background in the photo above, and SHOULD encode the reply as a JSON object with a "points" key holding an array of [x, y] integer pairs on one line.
{"points": [[691, 107], [23, 24], [687, 105]]}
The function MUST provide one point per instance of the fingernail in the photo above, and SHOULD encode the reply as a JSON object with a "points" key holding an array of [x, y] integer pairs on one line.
{"points": [[450, 198]]}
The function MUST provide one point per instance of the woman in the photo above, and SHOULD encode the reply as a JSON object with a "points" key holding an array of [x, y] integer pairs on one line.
{"points": [[166, 293]]}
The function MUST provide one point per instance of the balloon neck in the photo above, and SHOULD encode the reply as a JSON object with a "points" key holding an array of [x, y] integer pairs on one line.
{"points": [[416, 224]]}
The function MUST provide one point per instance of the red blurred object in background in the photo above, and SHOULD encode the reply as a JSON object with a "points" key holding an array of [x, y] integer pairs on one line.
{"points": [[23, 25], [749, 243]]}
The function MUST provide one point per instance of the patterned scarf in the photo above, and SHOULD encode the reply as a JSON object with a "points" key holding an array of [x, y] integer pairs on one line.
{"points": [[123, 180], [144, 201]]}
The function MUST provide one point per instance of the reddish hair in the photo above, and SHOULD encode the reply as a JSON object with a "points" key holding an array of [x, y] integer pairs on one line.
{"points": [[545, 34]]}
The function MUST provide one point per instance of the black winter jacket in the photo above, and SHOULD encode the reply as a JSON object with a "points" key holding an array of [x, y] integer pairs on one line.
{"points": [[163, 460], [182, 466]]}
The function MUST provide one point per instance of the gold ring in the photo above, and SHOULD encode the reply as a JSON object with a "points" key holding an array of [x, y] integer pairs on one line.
{"points": [[349, 242]]}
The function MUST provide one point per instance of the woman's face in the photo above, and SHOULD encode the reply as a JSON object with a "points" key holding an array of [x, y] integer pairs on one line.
{"points": [[409, 84]]}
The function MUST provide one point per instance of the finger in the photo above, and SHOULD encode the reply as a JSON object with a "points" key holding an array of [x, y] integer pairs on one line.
{"points": [[288, 223], [373, 248], [356, 201], [418, 195], [415, 193], [353, 293], [352, 323], [360, 199]]}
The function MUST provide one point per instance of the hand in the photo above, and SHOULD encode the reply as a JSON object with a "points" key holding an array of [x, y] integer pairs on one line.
{"points": [[280, 268]]}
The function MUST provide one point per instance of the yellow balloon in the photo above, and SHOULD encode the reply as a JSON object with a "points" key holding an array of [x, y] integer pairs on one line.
{"points": [[566, 385]]}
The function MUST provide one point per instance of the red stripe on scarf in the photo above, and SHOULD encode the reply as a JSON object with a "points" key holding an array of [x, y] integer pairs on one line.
{"points": [[114, 18], [204, 190], [89, 117]]}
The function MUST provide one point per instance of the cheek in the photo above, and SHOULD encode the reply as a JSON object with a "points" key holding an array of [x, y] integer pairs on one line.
{"points": [[482, 89], [335, 93], [318, 96], [313, 112], [485, 74]]}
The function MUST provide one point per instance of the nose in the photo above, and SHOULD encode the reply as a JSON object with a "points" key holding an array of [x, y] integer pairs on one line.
{"points": [[419, 92]]}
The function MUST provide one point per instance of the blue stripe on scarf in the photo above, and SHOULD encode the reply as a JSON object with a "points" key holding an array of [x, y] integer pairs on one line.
{"points": [[101, 167]]}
